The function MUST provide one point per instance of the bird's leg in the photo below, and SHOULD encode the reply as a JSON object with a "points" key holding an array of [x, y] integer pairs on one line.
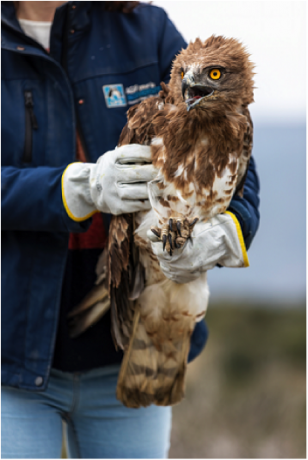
{"points": [[174, 232]]}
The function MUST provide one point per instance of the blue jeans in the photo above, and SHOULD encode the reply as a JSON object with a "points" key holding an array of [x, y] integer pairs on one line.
{"points": [[97, 424]]}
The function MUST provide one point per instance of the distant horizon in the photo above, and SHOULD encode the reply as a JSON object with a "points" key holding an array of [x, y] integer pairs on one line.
{"points": [[268, 300], [285, 121]]}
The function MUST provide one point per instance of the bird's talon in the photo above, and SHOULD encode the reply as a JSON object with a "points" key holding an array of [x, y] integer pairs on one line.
{"points": [[164, 241], [170, 241], [156, 232], [192, 224], [175, 232], [178, 227]]}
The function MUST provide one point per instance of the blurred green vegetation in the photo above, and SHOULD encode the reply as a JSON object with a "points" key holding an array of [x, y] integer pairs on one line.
{"points": [[246, 393], [258, 336]]}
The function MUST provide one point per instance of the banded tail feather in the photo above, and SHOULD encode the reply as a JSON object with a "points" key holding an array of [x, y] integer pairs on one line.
{"points": [[152, 373]]}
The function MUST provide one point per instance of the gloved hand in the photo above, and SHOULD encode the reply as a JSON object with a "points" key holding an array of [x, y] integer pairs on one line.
{"points": [[116, 184], [217, 241]]}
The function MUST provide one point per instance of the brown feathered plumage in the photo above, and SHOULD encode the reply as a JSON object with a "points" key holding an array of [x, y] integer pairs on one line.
{"points": [[200, 133]]}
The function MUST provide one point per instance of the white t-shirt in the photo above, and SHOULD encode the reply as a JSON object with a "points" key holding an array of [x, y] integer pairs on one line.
{"points": [[38, 30]]}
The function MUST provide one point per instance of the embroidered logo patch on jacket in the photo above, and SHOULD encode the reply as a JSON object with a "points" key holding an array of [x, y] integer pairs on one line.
{"points": [[114, 95], [137, 93]]}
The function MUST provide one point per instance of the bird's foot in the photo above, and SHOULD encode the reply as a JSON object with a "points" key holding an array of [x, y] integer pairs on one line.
{"points": [[175, 232]]}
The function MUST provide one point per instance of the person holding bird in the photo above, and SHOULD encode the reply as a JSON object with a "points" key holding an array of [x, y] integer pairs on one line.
{"points": [[70, 72]]}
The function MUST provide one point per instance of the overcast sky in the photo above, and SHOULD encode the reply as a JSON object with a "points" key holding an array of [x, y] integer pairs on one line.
{"points": [[273, 32]]}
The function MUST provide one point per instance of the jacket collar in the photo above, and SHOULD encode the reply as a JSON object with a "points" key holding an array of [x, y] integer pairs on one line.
{"points": [[8, 16]]}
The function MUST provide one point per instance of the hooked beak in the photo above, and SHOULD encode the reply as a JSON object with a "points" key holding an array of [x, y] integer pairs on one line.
{"points": [[193, 94]]}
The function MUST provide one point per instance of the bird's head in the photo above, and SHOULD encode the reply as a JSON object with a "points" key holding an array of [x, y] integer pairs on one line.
{"points": [[212, 74]]}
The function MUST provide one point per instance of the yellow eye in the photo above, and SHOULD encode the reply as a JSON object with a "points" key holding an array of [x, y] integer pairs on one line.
{"points": [[182, 74], [215, 74]]}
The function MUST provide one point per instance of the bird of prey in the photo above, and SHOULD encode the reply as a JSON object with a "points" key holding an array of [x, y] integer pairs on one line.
{"points": [[200, 132]]}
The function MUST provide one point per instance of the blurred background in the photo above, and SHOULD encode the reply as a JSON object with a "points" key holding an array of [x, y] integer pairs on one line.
{"points": [[246, 393]]}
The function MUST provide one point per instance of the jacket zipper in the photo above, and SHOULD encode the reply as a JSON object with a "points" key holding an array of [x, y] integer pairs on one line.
{"points": [[31, 124]]}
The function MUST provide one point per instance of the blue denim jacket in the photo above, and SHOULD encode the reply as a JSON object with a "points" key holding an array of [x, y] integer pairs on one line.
{"points": [[45, 97]]}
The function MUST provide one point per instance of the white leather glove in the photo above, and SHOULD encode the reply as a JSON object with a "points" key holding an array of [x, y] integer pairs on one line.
{"points": [[116, 184], [217, 241]]}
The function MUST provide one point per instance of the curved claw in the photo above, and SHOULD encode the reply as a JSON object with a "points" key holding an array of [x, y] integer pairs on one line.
{"points": [[164, 241], [156, 233], [178, 227], [170, 243], [194, 221], [170, 225]]}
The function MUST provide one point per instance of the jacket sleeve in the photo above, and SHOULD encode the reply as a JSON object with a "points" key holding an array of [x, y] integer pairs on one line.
{"points": [[32, 201], [246, 209], [171, 43]]}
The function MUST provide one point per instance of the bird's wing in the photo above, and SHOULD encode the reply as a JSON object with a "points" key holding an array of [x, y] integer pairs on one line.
{"points": [[124, 280], [126, 273]]}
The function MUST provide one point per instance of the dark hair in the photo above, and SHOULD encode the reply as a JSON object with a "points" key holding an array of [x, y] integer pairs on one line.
{"points": [[123, 7]]}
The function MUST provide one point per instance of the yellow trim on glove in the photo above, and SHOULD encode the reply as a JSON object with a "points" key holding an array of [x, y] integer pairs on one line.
{"points": [[240, 237], [70, 214]]}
